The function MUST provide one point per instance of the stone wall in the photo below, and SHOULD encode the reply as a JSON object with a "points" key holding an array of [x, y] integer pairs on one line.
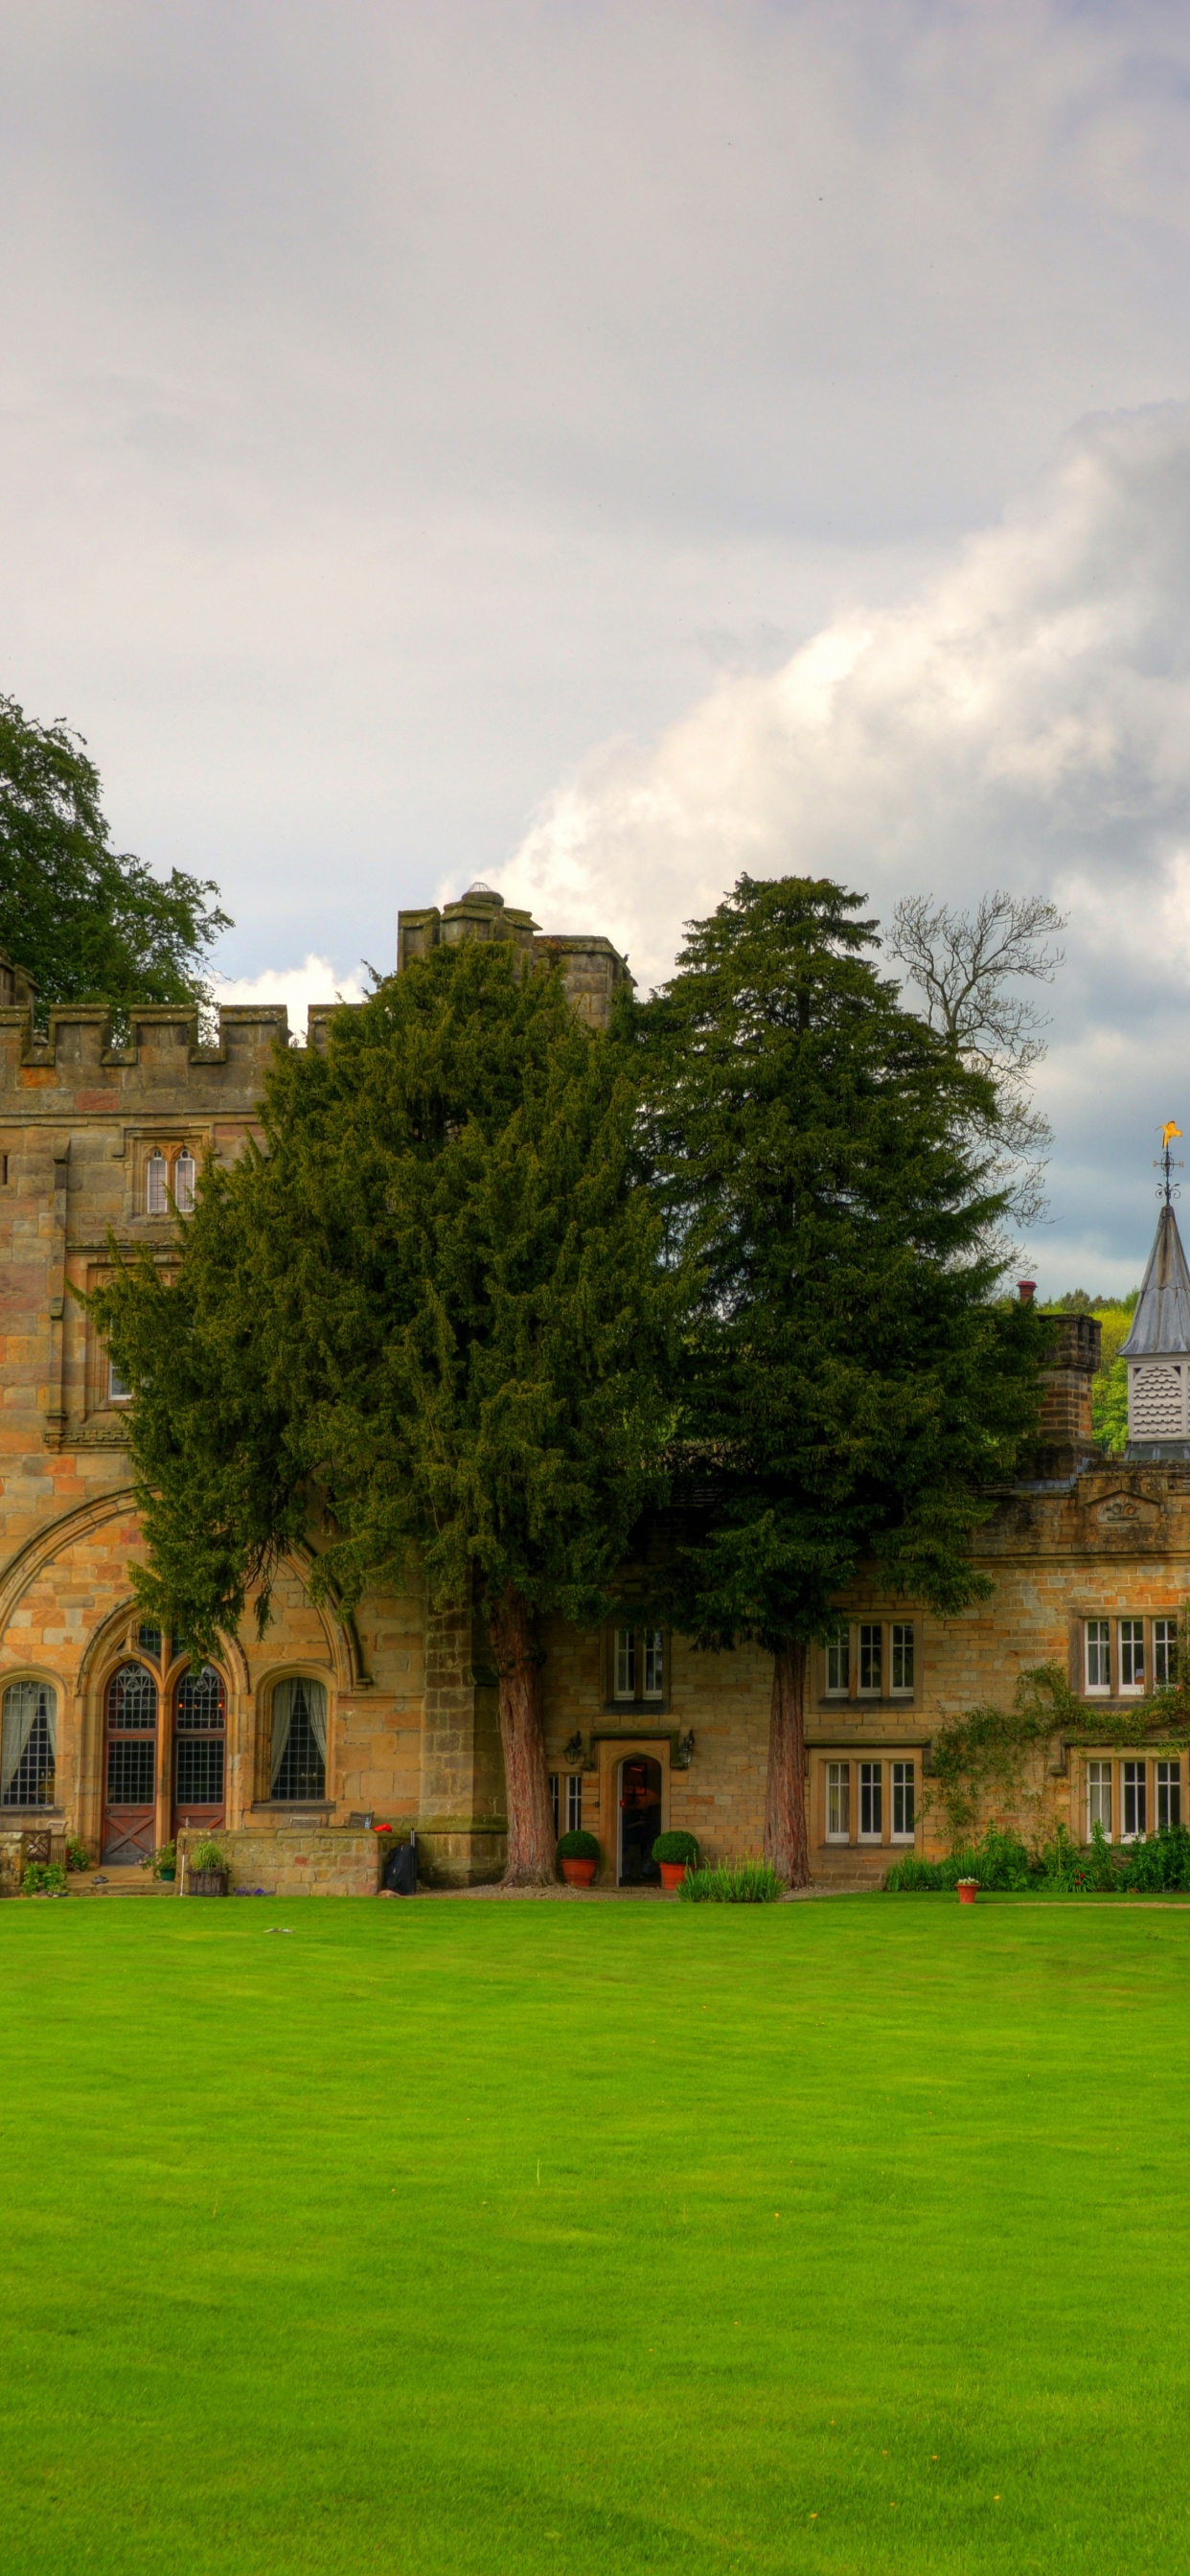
{"points": [[300, 1860]]}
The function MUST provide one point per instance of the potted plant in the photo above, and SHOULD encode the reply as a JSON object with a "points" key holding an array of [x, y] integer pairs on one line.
{"points": [[674, 1854], [578, 1853], [968, 1890], [163, 1862], [78, 1854], [208, 1871]]}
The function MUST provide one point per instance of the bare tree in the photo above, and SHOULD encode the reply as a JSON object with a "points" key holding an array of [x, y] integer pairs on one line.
{"points": [[969, 965]]}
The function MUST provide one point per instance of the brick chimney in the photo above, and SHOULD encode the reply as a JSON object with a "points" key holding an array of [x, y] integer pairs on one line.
{"points": [[1065, 1428]]}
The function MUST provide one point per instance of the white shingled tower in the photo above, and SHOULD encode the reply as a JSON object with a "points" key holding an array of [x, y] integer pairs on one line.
{"points": [[1158, 1347]]}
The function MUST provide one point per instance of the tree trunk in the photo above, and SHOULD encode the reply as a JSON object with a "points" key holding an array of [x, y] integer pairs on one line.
{"points": [[786, 1840], [531, 1838]]}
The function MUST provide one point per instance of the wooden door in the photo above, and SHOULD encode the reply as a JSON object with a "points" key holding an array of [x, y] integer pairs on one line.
{"points": [[129, 1766]]}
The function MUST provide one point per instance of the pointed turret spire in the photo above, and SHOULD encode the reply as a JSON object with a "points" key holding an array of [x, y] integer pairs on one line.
{"points": [[1158, 1347]]}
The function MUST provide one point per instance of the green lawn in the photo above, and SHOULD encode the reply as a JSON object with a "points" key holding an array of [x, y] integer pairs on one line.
{"points": [[431, 2237]]}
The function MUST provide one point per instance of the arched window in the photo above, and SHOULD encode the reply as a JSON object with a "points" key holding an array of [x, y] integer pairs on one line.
{"points": [[184, 1184], [132, 1699], [298, 1751], [200, 1710], [29, 1745], [156, 1185]]}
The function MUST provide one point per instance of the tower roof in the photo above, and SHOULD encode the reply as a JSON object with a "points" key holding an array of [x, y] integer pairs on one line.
{"points": [[1162, 1319]]}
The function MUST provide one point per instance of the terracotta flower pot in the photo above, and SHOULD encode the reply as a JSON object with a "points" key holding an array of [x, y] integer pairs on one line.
{"points": [[672, 1873], [968, 1890], [579, 1873]]}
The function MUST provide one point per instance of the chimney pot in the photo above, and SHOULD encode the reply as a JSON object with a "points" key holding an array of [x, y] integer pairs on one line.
{"points": [[1026, 1288]]}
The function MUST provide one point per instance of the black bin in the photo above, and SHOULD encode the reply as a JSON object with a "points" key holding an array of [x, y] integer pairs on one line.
{"points": [[400, 1869]]}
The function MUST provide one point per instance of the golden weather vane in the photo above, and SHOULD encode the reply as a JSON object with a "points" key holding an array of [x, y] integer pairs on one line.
{"points": [[1168, 1189]]}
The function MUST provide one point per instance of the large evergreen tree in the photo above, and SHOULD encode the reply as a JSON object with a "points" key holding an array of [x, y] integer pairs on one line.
{"points": [[430, 1312], [851, 1385], [88, 923]]}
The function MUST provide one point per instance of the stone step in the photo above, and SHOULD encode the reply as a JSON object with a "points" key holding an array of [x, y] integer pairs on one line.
{"points": [[117, 1882]]}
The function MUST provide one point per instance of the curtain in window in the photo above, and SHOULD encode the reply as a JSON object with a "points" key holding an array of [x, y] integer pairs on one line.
{"points": [[293, 1699], [24, 1704]]}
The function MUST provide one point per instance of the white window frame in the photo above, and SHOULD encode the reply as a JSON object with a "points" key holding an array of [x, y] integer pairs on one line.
{"points": [[838, 1662], [156, 1184], [902, 1644], [1165, 1652], [1134, 1795], [1097, 1657], [624, 1664], [653, 1660], [1130, 1687], [185, 1173], [871, 1788], [904, 1788], [1167, 1794], [553, 1788], [838, 1802], [574, 1802], [871, 1643], [117, 1392], [1099, 1796]]}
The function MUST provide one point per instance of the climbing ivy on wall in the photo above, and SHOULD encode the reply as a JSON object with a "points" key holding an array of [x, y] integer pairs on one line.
{"points": [[982, 1758]]}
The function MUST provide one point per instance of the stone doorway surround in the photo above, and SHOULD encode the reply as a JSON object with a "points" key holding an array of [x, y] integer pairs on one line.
{"points": [[612, 1749]]}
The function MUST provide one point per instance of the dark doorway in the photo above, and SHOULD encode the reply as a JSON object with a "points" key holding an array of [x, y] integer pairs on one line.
{"points": [[130, 1766], [640, 1820]]}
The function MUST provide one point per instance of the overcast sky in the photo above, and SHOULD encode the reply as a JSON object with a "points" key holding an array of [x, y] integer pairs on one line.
{"points": [[597, 449]]}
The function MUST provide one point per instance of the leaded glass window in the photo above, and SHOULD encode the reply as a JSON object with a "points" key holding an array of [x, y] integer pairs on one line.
{"points": [[30, 1737], [1099, 1797], [1165, 1651], [902, 1802], [299, 1740], [199, 1743], [838, 1662], [902, 1655], [1098, 1655], [838, 1802], [871, 1802]]}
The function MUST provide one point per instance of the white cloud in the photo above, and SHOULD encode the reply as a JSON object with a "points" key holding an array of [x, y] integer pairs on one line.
{"points": [[297, 986], [1022, 718]]}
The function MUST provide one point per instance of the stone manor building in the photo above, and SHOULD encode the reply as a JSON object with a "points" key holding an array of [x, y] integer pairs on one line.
{"points": [[291, 1749]]}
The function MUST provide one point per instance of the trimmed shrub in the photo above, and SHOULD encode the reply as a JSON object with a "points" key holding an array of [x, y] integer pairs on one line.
{"points": [[677, 1846], [43, 1878], [579, 1845], [734, 1882]]}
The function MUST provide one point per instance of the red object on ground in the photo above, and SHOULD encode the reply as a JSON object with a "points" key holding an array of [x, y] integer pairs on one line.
{"points": [[382, 1829], [579, 1873], [672, 1873], [968, 1891]]}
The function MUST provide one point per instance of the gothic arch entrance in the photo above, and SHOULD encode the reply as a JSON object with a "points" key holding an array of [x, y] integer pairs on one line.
{"points": [[129, 1766], [640, 1820]]}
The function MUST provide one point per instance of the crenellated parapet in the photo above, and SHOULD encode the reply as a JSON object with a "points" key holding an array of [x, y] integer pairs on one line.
{"points": [[74, 1066]]}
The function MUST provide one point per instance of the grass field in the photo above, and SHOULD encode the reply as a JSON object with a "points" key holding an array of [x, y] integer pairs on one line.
{"points": [[429, 2237]]}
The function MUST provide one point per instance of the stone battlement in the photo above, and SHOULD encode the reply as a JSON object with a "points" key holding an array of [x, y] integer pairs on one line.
{"points": [[75, 1065]]}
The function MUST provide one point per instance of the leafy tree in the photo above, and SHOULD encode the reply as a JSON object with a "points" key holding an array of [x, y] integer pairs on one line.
{"points": [[88, 923], [430, 1312], [851, 1386]]}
